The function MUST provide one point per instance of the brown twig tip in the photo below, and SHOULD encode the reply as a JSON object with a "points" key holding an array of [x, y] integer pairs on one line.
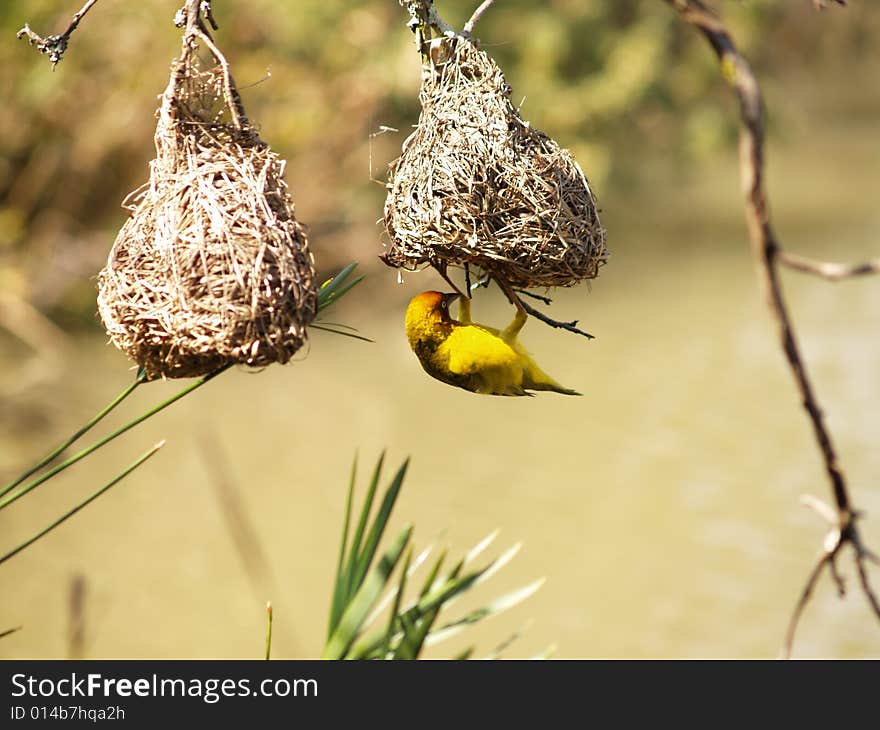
{"points": [[517, 301], [54, 46], [475, 18], [830, 270]]}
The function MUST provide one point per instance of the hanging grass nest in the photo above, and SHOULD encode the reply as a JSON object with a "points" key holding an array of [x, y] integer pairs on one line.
{"points": [[212, 267], [476, 184]]}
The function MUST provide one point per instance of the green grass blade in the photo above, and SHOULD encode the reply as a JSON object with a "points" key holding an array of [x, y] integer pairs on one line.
{"points": [[411, 571], [409, 619], [341, 325], [414, 634], [499, 605], [352, 623], [337, 287], [125, 472], [466, 654], [492, 568], [481, 546], [392, 619], [432, 576], [340, 591], [344, 333], [352, 584], [445, 593], [49, 458], [107, 439], [380, 523], [500, 562]]}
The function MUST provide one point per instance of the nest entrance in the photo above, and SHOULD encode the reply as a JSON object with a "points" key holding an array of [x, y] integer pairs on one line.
{"points": [[212, 267], [476, 184]]}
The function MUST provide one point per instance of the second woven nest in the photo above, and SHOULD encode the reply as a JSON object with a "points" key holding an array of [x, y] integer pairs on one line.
{"points": [[476, 184], [211, 268]]}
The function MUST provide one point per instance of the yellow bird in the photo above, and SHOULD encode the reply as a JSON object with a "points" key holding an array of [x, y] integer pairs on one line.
{"points": [[469, 355]]}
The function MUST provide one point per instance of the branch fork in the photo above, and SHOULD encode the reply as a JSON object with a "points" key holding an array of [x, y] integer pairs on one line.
{"points": [[769, 254]]}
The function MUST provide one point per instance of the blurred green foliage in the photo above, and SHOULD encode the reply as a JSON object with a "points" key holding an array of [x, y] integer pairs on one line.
{"points": [[611, 79]]}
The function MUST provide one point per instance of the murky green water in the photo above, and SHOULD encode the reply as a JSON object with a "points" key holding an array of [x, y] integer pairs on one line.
{"points": [[662, 507]]}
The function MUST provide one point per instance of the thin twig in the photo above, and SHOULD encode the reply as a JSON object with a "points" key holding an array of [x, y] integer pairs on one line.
{"points": [[767, 252], [54, 46], [568, 326], [209, 14], [475, 18], [815, 574], [517, 302], [830, 270], [540, 297]]}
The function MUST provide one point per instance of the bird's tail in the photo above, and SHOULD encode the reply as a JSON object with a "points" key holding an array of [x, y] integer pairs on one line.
{"points": [[535, 379]]}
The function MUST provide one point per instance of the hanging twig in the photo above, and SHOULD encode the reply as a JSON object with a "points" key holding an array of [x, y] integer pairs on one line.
{"points": [[830, 270], [540, 297], [517, 302], [768, 255], [567, 326], [54, 46]]}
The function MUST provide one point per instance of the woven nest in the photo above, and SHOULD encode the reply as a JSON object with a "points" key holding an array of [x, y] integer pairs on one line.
{"points": [[476, 184], [211, 268]]}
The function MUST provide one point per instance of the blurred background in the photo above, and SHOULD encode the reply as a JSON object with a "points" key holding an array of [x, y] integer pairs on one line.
{"points": [[662, 507]]}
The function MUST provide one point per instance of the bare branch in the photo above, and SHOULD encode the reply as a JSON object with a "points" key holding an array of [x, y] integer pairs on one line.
{"points": [[54, 46], [544, 300], [830, 270], [567, 326], [768, 254], [475, 18], [517, 302], [815, 574], [866, 586]]}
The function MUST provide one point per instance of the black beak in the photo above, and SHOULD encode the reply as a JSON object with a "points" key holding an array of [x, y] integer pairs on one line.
{"points": [[450, 298]]}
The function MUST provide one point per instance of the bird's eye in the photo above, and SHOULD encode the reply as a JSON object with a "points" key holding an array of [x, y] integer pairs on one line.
{"points": [[444, 304]]}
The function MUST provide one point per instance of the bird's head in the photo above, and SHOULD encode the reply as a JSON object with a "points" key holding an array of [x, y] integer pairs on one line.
{"points": [[428, 314]]}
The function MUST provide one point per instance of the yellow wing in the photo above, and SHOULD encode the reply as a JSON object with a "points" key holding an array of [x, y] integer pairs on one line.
{"points": [[484, 359]]}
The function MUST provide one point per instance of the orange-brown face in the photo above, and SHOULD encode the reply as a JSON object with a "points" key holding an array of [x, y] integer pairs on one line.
{"points": [[427, 317], [431, 304]]}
